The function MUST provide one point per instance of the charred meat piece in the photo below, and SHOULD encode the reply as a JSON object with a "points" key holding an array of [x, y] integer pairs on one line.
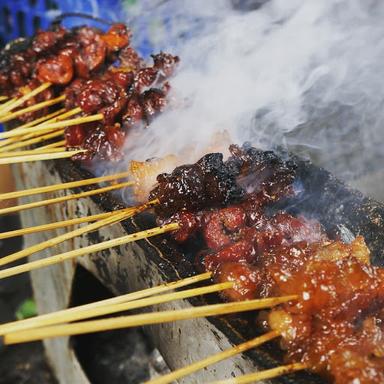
{"points": [[211, 182], [207, 183]]}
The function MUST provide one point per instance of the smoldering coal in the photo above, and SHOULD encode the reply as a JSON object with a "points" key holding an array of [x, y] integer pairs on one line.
{"points": [[305, 75]]}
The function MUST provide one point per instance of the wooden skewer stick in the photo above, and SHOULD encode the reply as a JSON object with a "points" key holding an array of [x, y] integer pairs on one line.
{"points": [[142, 319], [61, 186], [36, 138], [61, 199], [56, 225], [120, 307], [21, 100], [264, 375], [32, 108], [3, 98], [112, 219], [35, 151], [6, 104], [51, 126], [55, 144], [194, 367], [53, 317], [42, 119], [49, 156], [86, 250], [24, 137]]}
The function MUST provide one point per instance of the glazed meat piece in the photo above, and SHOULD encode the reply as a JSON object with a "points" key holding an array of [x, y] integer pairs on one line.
{"points": [[153, 102], [133, 113], [117, 37], [106, 97], [165, 63], [130, 59], [90, 53], [207, 183], [145, 78], [102, 143], [56, 70], [44, 41], [72, 92], [335, 326]]}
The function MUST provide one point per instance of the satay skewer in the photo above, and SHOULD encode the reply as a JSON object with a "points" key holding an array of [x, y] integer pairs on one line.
{"points": [[142, 319], [59, 258], [35, 139], [6, 104], [32, 108], [52, 318], [61, 199], [54, 145], [197, 366], [32, 123], [56, 225], [109, 309], [35, 151], [21, 100], [52, 126], [264, 375], [61, 186], [112, 219], [49, 156]]}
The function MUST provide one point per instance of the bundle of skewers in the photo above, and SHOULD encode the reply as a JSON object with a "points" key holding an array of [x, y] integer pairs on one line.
{"points": [[77, 93], [320, 297]]}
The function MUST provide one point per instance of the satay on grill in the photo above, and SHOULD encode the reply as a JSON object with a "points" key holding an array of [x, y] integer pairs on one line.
{"points": [[98, 73], [336, 326]]}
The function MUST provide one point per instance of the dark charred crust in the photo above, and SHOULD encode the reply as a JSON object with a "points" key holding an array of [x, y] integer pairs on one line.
{"points": [[322, 196]]}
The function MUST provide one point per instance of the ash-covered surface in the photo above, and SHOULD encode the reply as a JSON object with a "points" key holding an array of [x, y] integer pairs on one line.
{"points": [[24, 363], [124, 356]]}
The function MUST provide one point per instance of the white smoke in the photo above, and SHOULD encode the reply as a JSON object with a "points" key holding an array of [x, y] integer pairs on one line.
{"points": [[305, 74]]}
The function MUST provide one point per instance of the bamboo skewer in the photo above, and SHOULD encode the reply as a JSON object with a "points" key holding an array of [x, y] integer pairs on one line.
{"points": [[120, 307], [6, 104], [56, 225], [112, 219], [32, 108], [34, 139], [264, 375], [61, 199], [21, 100], [61, 186], [41, 119], [49, 156], [194, 367], [86, 250], [141, 320], [55, 317], [3, 98], [54, 145], [14, 142], [31, 124], [35, 151], [51, 126]]}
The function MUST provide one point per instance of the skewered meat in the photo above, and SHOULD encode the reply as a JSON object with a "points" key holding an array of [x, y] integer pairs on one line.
{"points": [[211, 182], [336, 327]]}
